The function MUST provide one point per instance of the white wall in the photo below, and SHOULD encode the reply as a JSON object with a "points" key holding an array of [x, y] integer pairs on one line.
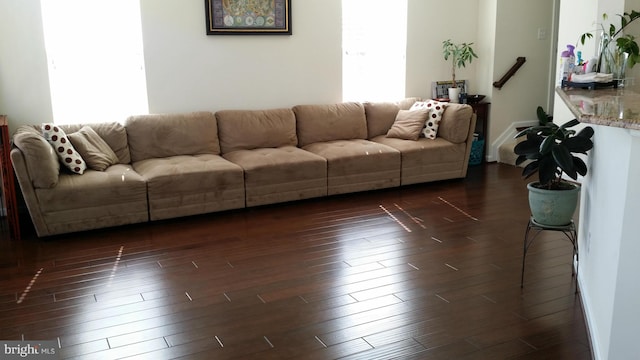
{"points": [[188, 70], [577, 17], [516, 34], [430, 23], [609, 246], [24, 81], [487, 13], [608, 226]]}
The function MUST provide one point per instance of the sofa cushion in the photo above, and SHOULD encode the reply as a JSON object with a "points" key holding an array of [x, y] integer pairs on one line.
{"points": [[95, 151], [287, 173], [191, 184], [408, 124], [41, 161], [455, 123], [436, 109], [247, 130], [166, 135], [428, 159], [381, 115], [318, 123], [68, 155], [358, 165], [113, 133], [115, 191]]}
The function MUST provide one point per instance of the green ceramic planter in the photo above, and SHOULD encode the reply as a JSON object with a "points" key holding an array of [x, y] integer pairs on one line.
{"points": [[553, 207]]}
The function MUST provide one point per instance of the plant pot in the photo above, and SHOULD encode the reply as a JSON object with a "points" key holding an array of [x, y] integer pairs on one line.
{"points": [[454, 94], [553, 207]]}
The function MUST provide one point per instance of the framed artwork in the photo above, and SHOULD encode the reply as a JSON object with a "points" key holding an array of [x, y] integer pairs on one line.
{"points": [[248, 17], [440, 89]]}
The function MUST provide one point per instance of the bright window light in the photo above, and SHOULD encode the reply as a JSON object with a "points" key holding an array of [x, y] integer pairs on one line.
{"points": [[95, 55], [374, 42]]}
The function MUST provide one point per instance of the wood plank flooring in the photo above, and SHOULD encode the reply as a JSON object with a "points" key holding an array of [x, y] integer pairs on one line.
{"points": [[430, 271]]}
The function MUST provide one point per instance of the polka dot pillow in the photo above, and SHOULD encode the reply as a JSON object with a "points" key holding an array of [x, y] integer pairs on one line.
{"points": [[436, 109], [62, 146]]}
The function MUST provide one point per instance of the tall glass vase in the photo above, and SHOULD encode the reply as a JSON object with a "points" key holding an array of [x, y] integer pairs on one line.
{"points": [[612, 60]]}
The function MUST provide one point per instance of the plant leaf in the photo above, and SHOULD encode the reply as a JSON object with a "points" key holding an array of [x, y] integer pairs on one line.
{"points": [[521, 159], [527, 147], [564, 160], [530, 169], [543, 118], [586, 132], [547, 170], [580, 166], [578, 144], [547, 145], [569, 124]]}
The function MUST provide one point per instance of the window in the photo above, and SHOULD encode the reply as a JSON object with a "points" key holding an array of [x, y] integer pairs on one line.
{"points": [[96, 64], [374, 41]]}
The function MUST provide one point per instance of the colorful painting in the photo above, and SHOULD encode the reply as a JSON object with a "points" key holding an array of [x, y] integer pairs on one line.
{"points": [[248, 17]]}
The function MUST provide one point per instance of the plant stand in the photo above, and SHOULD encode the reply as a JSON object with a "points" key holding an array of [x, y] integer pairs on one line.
{"points": [[534, 229]]}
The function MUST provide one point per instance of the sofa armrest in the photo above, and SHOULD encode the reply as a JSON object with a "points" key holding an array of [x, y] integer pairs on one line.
{"points": [[28, 191], [455, 125]]}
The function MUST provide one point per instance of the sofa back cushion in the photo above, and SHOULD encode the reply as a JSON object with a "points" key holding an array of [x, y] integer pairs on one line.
{"points": [[318, 123], [165, 135], [253, 129], [40, 158], [381, 115], [113, 133], [455, 122]]}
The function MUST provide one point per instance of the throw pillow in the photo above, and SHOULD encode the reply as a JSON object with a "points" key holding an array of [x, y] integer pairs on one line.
{"points": [[436, 109], [62, 146], [93, 149], [408, 124]]}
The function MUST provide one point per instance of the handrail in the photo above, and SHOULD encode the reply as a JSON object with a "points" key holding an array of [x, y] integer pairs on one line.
{"points": [[519, 62]]}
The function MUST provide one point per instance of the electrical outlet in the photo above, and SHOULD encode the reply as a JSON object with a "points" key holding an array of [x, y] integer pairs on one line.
{"points": [[542, 34]]}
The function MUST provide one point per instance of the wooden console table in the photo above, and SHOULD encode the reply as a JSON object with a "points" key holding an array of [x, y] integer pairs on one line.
{"points": [[482, 120], [8, 195]]}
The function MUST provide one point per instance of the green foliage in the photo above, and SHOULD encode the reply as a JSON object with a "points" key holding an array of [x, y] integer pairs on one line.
{"points": [[460, 54], [551, 148], [624, 43]]}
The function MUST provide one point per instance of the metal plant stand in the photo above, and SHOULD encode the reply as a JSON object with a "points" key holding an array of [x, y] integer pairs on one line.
{"points": [[534, 229]]}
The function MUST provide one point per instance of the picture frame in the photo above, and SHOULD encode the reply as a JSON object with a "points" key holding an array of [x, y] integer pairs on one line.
{"points": [[440, 89], [242, 17]]}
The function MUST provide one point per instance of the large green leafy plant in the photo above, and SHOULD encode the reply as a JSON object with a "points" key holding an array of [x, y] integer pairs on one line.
{"points": [[460, 54], [551, 148]]}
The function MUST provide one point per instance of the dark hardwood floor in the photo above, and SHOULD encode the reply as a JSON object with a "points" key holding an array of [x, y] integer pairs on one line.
{"points": [[430, 271]]}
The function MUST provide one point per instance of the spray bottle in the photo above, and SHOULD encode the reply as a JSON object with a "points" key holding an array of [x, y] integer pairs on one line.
{"points": [[567, 64]]}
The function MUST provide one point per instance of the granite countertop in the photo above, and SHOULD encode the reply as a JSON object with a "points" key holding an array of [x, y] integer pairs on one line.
{"points": [[608, 107]]}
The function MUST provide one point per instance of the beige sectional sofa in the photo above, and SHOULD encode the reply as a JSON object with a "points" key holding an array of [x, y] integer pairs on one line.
{"points": [[174, 165]]}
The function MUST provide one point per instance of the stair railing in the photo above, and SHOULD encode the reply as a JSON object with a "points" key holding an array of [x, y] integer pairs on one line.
{"points": [[519, 62]]}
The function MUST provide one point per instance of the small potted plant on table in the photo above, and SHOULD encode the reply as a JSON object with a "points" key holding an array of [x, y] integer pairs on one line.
{"points": [[552, 199], [460, 55]]}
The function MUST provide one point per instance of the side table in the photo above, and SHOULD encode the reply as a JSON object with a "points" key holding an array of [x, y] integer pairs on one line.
{"points": [[534, 229], [8, 182], [481, 110]]}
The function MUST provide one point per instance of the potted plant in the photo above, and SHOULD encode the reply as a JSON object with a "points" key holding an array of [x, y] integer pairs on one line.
{"points": [[551, 149], [616, 51], [460, 54]]}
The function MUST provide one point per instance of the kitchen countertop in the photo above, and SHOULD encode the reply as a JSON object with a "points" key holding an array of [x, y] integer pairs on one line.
{"points": [[608, 107]]}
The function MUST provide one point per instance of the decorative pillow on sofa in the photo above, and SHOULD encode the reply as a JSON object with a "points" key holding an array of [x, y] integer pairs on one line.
{"points": [[436, 109], [62, 146], [408, 124], [93, 149]]}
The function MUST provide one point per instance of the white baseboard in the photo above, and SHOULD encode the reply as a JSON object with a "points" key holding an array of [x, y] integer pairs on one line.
{"points": [[592, 332]]}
